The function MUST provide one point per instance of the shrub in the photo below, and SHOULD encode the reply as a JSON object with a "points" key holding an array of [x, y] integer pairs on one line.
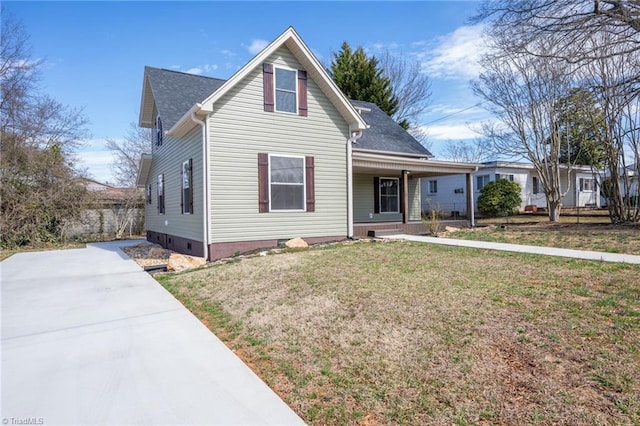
{"points": [[499, 198]]}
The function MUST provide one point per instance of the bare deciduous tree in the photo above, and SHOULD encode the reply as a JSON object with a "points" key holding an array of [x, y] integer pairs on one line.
{"points": [[476, 151], [40, 190], [522, 91], [600, 39], [411, 87], [127, 153]]}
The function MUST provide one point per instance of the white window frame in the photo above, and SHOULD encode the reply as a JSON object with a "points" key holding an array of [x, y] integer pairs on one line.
{"points": [[535, 185], [485, 180], [380, 179], [592, 184], [433, 183], [161, 191], [275, 90], [505, 176], [304, 183], [185, 170]]}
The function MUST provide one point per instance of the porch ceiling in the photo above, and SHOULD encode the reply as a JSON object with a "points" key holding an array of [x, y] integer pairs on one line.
{"points": [[366, 162]]}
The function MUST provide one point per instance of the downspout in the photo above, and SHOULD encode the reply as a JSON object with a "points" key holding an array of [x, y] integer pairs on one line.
{"points": [[352, 140], [205, 183], [473, 207]]}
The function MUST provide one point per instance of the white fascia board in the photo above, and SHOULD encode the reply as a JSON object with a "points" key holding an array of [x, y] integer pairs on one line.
{"points": [[185, 124]]}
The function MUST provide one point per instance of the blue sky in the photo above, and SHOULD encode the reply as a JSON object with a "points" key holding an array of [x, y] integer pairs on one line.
{"points": [[95, 52]]}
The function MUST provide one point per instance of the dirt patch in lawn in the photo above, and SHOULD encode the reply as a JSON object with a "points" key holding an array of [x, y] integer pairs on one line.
{"points": [[406, 333]]}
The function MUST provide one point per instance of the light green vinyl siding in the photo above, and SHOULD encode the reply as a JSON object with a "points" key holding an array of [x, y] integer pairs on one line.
{"points": [[363, 200], [168, 159], [240, 129], [414, 199]]}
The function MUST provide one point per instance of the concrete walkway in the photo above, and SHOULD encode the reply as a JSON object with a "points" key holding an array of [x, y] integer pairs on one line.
{"points": [[89, 338], [546, 251]]}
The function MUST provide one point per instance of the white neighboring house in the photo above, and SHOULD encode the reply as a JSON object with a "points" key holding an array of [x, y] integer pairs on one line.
{"points": [[447, 193]]}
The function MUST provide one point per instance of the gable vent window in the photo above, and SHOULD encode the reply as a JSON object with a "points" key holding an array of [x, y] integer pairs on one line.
{"points": [[284, 90], [158, 130]]}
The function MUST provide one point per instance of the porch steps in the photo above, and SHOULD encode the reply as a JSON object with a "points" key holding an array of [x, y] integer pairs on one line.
{"points": [[374, 233]]}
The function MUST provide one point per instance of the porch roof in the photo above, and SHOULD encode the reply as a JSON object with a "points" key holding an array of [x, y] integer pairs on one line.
{"points": [[373, 162]]}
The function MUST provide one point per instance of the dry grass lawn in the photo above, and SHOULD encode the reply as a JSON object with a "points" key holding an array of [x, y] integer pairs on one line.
{"points": [[596, 237], [407, 333]]}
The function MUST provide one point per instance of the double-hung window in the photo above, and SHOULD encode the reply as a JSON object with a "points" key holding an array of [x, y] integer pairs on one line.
{"points": [[506, 177], [161, 194], [536, 184], [187, 187], [286, 183], [286, 95], [587, 185], [389, 195], [481, 181], [433, 187], [284, 90]]}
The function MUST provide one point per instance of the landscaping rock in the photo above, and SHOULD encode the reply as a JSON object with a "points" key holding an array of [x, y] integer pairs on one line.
{"points": [[157, 251], [451, 229], [296, 243], [180, 262]]}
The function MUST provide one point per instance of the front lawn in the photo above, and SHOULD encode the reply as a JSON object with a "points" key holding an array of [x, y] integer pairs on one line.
{"points": [[409, 333], [596, 237]]}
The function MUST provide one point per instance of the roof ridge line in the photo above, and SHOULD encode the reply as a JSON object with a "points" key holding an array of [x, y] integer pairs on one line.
{"points": [[186, 73]]}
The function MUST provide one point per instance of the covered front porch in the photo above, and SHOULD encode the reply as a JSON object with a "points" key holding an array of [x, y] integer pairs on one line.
{"points": [[387, 191]]}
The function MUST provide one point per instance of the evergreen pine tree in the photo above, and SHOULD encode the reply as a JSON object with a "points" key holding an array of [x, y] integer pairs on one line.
{"points": [[360, 78]]}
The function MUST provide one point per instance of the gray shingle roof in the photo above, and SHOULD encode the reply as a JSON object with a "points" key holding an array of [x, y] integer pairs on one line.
{"points": [[385, 134], [176, 92]]}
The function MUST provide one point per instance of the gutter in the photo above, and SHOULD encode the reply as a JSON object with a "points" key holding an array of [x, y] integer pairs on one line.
{"points": [[394, 153], [205, 187], [352, 140]]}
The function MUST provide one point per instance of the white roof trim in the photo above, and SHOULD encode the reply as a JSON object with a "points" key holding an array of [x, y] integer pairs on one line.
{"points": [[354, 119], [399, 162], [144, 167]]}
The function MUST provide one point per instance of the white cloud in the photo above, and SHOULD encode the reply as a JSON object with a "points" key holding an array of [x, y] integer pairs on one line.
{"points": [[227, 53], [451, 131], [256, 46], [456, 54], [200, 69]]}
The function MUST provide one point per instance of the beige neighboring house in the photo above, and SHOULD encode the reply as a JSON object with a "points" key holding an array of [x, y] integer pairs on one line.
{"points": [[274, 152], [114, 212]]}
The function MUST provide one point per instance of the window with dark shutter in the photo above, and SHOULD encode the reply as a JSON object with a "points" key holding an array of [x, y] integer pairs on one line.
{"points": [[388, 193], [268, 88], [158, 131], [286, 183], [186, 198], [161, 194]]}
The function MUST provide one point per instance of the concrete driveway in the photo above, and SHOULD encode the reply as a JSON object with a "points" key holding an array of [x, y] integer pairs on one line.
{"points": [[89, 338]]}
